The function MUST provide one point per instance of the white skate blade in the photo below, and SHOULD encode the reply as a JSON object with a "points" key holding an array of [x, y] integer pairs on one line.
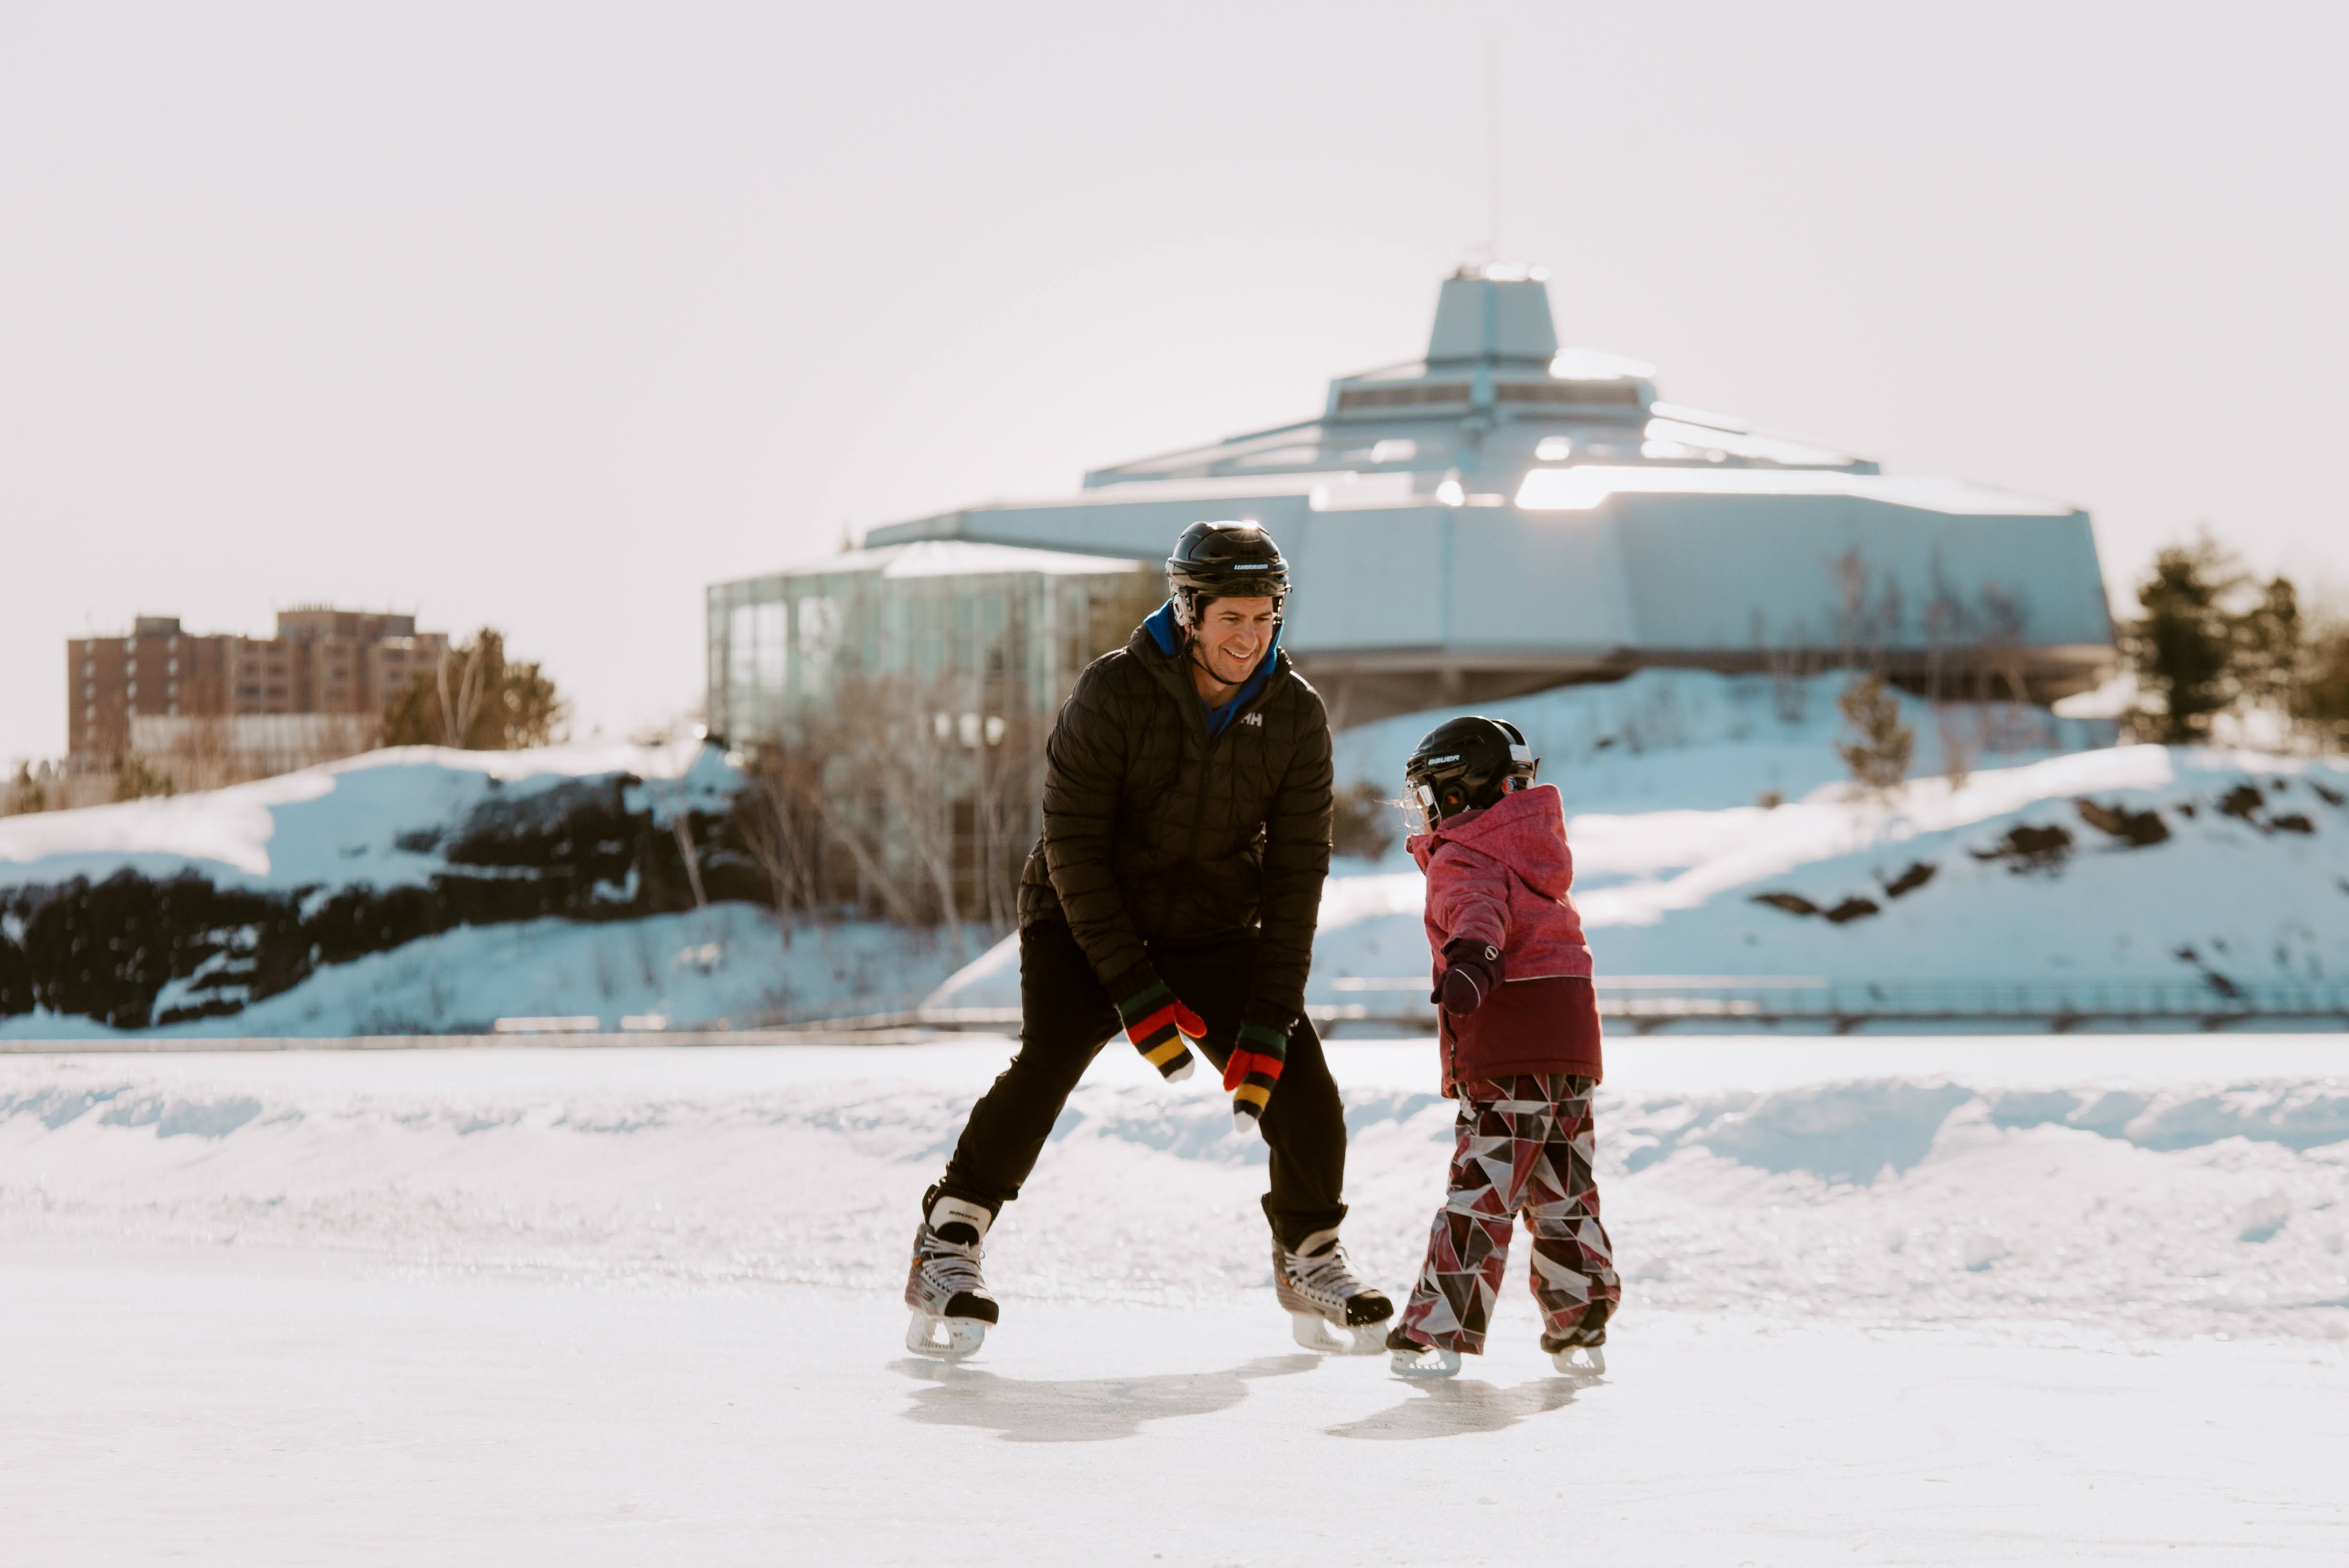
{"points": [[951, 1337], [1429, 1364], [1315, 1331], [1593, 1362]]}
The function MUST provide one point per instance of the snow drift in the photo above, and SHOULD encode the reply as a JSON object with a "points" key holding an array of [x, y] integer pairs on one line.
{"points": [[2168, 1197]]}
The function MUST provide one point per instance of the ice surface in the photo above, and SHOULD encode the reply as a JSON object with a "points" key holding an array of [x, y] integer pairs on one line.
{"points": [[1907, 1300], [1831, 1182]]}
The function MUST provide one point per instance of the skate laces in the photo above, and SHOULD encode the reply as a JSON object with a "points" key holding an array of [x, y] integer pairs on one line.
{"points": [[952, 1265], [1326, 1272]]}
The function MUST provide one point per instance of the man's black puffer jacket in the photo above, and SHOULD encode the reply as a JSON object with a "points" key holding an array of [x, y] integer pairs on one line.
{"points": [[1154, 833]]}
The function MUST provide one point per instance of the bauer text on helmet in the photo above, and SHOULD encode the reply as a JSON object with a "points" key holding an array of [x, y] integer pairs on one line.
{"points": [[1467, 764]]}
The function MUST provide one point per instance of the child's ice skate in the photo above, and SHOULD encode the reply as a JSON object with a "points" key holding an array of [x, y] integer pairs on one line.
{"points": [[1574, 1358], [952, 1309], [1413, 1359], [1328, 1307]]}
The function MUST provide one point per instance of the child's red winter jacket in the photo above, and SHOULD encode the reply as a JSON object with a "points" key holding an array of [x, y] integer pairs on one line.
{"points": [[1502, 876]]}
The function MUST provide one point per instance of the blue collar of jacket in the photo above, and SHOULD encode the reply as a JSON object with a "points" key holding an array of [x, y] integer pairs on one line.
{"points": [[1168, 636]]}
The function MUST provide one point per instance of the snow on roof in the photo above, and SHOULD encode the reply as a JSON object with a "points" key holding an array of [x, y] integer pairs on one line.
{"points": [[1584, 488], [954, 558]]}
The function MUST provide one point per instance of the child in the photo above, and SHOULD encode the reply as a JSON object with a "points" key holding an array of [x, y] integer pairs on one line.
{"points": [[1518, 1027]]}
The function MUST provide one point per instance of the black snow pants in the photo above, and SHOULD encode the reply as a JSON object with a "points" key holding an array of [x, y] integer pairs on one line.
{"points": [[1066, 1016]]}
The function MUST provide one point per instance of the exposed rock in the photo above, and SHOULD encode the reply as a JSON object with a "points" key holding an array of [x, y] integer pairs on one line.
{"points": [[1919, 873], [1792, 903], [2134, 828], [136, 951], [2242, 801], [2029, 848], [1852, 910]]}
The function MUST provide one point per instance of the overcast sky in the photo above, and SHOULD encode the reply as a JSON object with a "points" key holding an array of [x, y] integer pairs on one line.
{"points": [[547, 317]]}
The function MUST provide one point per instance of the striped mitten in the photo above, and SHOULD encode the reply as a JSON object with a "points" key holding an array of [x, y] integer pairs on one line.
{"points": [[1252, 1071], [1161, 1027]]}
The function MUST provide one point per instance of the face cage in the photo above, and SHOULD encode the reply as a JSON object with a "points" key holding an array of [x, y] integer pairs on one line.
{"points": [[1520, 778]]}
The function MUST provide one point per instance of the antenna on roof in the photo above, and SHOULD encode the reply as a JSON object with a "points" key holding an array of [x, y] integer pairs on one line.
{"points": [[1492, 143]]}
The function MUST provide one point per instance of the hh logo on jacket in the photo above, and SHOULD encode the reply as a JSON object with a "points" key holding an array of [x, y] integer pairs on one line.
{"points": [[1256, 719]]}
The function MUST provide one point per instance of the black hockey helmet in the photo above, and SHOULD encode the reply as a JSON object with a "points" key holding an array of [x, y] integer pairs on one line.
{"points": [[1467, 764], [1225, 561]]}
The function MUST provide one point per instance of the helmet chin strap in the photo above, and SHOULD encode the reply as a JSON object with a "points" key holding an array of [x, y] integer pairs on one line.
{"points": [[1192, 646]]}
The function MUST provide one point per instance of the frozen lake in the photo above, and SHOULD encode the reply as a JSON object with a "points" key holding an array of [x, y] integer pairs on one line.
{"points": [[1886, 1300]]}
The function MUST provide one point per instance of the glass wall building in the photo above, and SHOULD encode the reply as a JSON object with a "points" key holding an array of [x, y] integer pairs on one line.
{"points": [[986, 634]]}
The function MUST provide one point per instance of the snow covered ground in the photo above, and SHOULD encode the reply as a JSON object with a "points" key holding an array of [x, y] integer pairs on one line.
{"points": [[729, 966], [2061, 859], [1902, 1301]]}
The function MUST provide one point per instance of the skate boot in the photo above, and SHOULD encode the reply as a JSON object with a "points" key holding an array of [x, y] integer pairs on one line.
{"points": [[952, 1309], [1575, 1356], [1413, 1359], [1329, 1307]]}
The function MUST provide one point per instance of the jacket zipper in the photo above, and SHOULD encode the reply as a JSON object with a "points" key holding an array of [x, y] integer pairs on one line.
{"points": [[1209, 755]]}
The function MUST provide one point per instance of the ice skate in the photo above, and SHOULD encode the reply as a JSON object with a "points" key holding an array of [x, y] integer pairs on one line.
{"points": [[1576, 1359], [951, 1306], [1330, 1308], [1426, 1362]]}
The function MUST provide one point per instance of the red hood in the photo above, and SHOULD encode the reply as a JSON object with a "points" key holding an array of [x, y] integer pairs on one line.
{"points": [[1525, 831]]}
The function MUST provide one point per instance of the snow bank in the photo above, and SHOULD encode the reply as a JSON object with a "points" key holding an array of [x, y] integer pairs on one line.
{"points": [[378, 890], [339, 824], [732, 966], [1692, 740], [2136, 864], [1953, 1185]]}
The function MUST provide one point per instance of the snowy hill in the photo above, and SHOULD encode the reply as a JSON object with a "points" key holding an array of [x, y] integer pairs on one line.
{"points": [[2062, 858], [420, 890]]}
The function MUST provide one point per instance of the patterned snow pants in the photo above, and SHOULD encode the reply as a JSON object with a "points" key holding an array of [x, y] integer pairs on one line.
{"points": [[1524, 1148]]}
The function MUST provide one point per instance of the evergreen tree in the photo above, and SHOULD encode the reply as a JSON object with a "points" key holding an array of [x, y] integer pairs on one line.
{"points": [[2271, 651], [2186, 645], [477, 700], [2321, 703]]}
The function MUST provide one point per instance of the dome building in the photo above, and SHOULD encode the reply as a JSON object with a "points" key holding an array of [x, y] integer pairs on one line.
{"points": [[1502, 515]]}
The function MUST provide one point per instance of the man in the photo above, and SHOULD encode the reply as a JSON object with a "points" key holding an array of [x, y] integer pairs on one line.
{"points": [[1173, 893]]}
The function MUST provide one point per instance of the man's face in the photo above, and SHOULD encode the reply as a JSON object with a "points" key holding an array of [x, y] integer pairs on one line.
{"points": [[1232, 635]]}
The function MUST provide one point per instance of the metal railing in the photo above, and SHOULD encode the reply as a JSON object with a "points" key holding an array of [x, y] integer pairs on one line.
{"points": [[1649, 1002]]}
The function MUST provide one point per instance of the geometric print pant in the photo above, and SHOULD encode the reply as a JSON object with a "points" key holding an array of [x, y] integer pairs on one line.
{"points": [[1524, 1148]]}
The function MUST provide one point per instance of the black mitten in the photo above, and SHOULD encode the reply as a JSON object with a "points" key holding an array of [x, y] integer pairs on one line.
{"points": [[1470, 970]]}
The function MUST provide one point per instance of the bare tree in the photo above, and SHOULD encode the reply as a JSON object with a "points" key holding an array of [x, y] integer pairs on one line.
{"points": [[1879, 756]]}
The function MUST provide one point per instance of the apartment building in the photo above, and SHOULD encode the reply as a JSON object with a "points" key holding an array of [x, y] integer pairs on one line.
{"points": [[225, 706]]}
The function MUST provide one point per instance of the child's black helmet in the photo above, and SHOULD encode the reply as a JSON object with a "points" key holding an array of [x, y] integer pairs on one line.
{"points": [[1467, 764], [1225, 561]]}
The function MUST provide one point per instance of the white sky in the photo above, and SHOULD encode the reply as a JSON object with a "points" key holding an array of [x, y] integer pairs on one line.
{"points": [[549, 316]]}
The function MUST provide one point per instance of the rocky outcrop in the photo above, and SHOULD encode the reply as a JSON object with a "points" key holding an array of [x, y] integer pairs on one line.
{"points": [[134, 949]]}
